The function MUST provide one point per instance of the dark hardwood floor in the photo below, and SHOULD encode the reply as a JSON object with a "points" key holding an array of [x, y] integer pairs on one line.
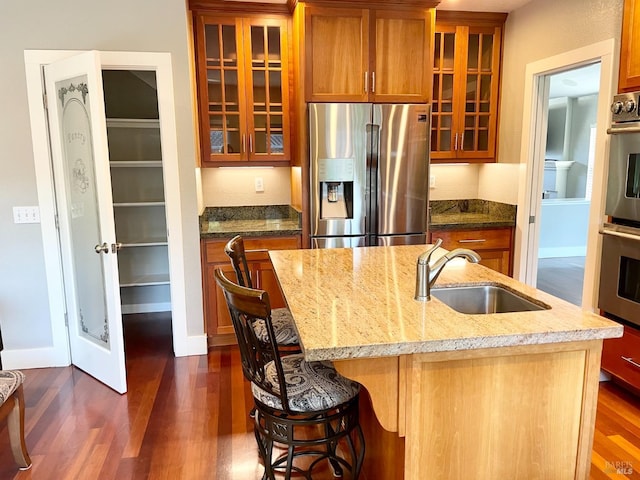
{"points": [[562, 277], [186, 418]]}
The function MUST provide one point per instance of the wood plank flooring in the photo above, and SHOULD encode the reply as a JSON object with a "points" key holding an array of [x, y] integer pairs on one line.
{"points": [[186, 418], [562, 277]]}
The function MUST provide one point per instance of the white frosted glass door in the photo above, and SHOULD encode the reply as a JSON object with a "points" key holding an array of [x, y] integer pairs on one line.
{"points": [[85, 210]]}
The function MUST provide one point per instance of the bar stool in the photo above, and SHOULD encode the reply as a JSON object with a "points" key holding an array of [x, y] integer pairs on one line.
{"points": [[306, 406], [285, 331], [12, 408]]}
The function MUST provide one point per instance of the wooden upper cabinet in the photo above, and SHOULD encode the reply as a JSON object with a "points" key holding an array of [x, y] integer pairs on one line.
{"points": [[243, 89], [367, 55], [466, 77], [629, 79]]}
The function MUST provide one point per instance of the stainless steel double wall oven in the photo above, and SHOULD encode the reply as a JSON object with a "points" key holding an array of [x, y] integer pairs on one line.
{"points": [[620, 269]]}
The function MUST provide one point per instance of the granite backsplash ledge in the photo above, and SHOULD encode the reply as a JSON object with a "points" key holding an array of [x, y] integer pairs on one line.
{"points": [[257, 220], [473, 213]]}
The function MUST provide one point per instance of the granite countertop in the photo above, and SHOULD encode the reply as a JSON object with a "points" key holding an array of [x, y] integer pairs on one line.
{"points": [[457, 214], [253, 221], [357, 303]]}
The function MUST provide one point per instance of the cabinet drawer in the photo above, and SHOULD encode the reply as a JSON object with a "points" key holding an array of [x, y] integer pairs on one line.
{"points": [[621, 356], [491, 238], [214, 249]]}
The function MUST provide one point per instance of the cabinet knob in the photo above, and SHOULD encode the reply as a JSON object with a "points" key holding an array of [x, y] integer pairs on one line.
{"points": [[366, 82]]}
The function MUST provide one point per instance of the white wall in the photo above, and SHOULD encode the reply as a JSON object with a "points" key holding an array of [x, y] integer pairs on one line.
{"points": [[563, 228], [144, 25]]}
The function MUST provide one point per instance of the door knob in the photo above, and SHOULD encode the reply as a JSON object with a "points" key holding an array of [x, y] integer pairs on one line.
{"points": [[104, 248]]}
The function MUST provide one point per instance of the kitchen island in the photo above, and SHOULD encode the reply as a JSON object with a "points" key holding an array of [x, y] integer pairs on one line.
{"points": [[450, 395]]}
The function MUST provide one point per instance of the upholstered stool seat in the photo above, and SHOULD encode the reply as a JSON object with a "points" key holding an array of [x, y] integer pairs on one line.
{"points": [[311, 386], [12, 408]]}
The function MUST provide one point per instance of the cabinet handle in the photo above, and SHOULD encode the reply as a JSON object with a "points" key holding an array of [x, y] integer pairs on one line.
{"points": [[630, 360], [474, 240], [250, 143], [244, 143], [366, 82], [462, 141], [455, 143], [373, 82]]}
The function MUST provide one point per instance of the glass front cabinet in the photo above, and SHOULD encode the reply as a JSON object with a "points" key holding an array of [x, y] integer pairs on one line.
{"points": [[466, 74], [243, 89]]}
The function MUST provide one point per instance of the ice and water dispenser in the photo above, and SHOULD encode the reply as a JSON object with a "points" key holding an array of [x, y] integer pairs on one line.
{"points": [[336, 177]]}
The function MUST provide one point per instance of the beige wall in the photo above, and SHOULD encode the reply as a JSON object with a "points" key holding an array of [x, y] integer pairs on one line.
{"points": [[143, 25], [229, 187], [538, 30]]}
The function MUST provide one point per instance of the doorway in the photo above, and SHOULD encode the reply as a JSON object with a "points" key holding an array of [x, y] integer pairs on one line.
{"points": [[534, 139], [59, 354], [567, 179]]}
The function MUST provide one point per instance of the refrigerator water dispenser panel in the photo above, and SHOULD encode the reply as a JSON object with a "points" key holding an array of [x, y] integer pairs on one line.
{"points": [[336, 176]]}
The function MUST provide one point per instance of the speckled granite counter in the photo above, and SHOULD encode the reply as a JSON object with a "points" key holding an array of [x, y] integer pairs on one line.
{"points": [[252, 221], [457, 214], [350, 303]]}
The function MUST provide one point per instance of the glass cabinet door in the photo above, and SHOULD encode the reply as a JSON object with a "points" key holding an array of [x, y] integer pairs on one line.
{"points": [[223, 92], [243, 75], [442, 114], [268, 93]]}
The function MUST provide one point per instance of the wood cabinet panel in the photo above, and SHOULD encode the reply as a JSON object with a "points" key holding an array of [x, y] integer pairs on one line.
{"points": [[217, 319], [621, 357], [494, 245], [367, 55], [337, 54], [402, 56], [629, 78]]}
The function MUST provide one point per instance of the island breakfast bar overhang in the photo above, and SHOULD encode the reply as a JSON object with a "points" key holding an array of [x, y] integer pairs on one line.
{"points": [[452, 396]]}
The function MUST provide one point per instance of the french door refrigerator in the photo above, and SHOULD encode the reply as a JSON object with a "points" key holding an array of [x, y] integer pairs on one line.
{"points": [[369, 174]]}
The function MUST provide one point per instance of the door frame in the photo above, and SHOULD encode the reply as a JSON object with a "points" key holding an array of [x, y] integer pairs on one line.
{"points": [[532, 154], [59, 353]]}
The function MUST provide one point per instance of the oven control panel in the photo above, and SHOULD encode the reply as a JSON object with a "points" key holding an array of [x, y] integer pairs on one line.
{"points": [[625, 107]]}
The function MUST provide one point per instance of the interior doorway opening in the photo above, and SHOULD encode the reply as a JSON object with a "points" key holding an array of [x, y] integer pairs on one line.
{"points": [[567, 180]]}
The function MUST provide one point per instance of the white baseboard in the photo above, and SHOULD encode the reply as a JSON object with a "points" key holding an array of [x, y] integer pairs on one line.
{"points": [[194, 345], [33, 358], [554, 252]]}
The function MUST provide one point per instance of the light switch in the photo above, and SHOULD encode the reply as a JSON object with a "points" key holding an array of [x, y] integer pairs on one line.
{"points": [[432, 181], [259, 184], [26, 215]]}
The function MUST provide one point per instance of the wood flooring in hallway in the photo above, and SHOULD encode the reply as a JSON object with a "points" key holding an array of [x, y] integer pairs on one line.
{"points": [[186, 418]]}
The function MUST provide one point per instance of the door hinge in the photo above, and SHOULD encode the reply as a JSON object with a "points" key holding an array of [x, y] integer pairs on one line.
{"points": [[57, 221], [532, 219], [66, 319], [45, 101]]}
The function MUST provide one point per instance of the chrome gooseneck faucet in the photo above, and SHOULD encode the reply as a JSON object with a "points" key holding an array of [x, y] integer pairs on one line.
{"points": [[426, 273]]}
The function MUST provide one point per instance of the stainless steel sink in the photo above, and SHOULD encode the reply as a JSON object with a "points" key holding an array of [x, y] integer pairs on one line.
{"points": [[484, 299]]}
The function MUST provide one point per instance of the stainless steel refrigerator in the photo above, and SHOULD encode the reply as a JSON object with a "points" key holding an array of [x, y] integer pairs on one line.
{"points": [[369, 174]]}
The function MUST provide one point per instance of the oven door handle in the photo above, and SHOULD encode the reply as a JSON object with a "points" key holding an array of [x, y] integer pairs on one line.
{"points": [[621, 130], [624, 235]]}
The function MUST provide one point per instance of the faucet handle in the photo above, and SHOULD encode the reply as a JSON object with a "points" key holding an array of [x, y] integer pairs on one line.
{"points": [[426, 256]]}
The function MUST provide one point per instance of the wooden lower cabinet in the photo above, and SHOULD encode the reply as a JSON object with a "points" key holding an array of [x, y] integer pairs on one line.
{"points": [[621, 357], [217, 319], [494, 245]]}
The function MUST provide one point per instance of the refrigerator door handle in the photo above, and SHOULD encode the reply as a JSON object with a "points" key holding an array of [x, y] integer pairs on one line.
{"points": [[373, 141]]}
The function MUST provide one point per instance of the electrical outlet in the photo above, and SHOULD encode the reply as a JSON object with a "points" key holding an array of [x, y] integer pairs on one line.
{"points": [[26, 215], [432, 181], [259, 184]]}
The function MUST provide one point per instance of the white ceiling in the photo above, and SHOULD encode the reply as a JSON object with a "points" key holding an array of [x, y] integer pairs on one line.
{"points": [[575, 83], [481, 5]]}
